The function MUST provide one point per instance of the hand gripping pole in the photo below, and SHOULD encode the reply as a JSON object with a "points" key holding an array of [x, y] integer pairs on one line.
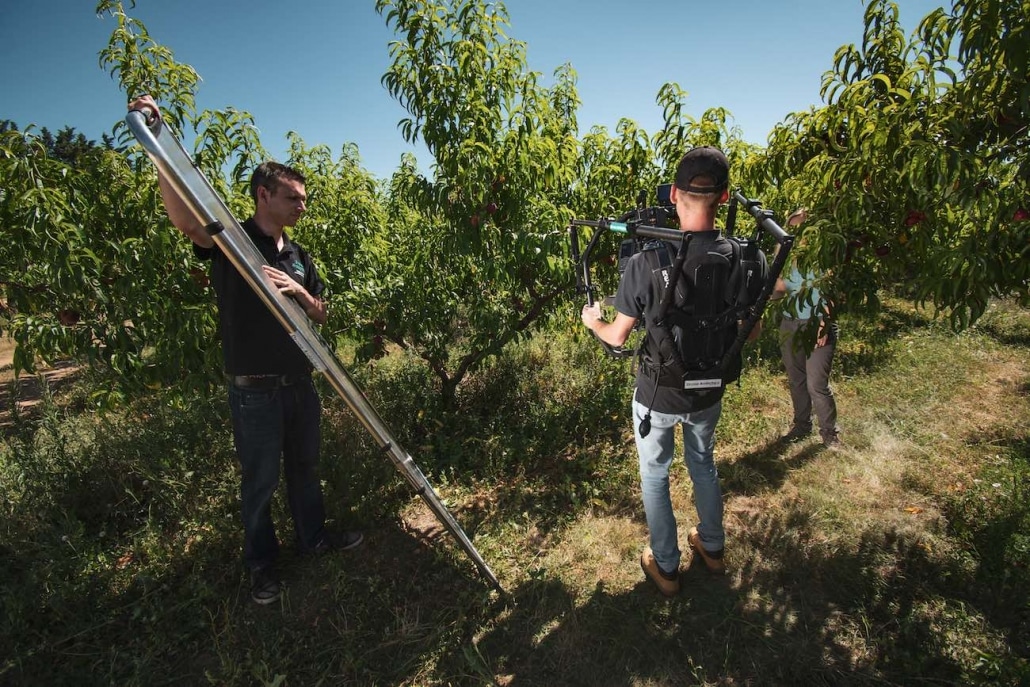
{"points": [[175, 164]]}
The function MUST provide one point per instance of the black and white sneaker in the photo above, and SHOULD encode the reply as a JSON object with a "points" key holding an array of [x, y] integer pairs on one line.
{"points": [[265, 587]]}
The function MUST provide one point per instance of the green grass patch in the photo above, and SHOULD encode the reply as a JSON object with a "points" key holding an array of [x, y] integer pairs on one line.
{"points": [[902, 559]]}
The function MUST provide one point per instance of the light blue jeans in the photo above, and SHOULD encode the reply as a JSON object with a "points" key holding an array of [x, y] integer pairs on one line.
{"points": [[656, 452]]}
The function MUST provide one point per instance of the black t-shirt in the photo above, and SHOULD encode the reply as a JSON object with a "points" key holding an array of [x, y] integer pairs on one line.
{"points": [[637, 294], [254, 342]]}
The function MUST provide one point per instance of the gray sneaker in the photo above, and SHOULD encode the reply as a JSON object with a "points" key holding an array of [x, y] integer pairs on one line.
{"points": [[797, 433], [833, 442]]}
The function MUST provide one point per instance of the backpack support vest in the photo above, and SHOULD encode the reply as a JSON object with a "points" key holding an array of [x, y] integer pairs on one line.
{"points": [[693, 326]]}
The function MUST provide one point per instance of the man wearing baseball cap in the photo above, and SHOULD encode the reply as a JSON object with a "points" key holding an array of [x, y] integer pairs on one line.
{"points": [[701, 185]]}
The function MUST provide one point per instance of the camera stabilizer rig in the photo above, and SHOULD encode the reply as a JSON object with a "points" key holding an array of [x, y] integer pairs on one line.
{"points": [[646, 223]]}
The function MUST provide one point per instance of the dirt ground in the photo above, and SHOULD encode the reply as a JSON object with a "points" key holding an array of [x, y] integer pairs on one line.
{"points": [[26, 390], [6, 353]]}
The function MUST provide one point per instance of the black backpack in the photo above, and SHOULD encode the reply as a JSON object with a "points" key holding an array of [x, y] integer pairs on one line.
{"points": [[690, 331]]}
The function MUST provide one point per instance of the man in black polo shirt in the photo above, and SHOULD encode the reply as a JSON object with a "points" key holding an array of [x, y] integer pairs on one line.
{"points": [[275, 408]]}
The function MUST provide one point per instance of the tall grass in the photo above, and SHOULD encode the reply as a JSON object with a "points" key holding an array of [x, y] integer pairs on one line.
{"points": [[903, 559]]}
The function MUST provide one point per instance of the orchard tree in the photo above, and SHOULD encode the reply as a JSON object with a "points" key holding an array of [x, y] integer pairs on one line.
{"points": [[476, 250], [87, 277], [68, 146], [479, 247], [915, 172], [97, 273], [616, 173], [452, 267], [345, 230], [225, 138]]}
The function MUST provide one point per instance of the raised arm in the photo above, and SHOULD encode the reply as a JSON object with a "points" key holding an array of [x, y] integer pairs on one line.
{"points": [[177, 210]]}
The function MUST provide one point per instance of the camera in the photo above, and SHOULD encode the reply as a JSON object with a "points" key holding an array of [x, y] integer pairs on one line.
{"points": [[664, 194], [661, 214]]}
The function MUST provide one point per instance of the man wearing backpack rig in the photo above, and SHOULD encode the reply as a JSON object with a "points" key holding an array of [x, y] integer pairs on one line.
{"points": [[701, 185]]}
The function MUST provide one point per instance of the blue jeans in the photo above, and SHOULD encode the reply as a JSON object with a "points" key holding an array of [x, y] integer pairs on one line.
{"points": [[656, 452], [269, 424]]}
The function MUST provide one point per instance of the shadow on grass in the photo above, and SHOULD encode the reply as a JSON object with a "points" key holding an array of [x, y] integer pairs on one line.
{"points": [[120, 559], [864, 347], [766, 467], [405, 610], [1006, 322], [1003, 576], [993, 519], [870, 617], [1019, 337], [378, 614], [358, 617], [409, 607]]}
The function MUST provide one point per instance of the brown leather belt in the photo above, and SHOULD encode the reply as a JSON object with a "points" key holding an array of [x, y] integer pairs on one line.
{"points": [[266, 381]]}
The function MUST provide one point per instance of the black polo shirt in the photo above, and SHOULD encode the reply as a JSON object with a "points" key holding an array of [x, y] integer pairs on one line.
{"points": [[637, 295], [254, 342]]}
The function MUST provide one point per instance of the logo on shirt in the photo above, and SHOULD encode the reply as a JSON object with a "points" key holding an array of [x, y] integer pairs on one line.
{"points": [[298, 268]]}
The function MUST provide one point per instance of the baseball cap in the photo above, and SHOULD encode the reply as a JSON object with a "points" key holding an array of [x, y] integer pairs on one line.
{"points": [[703, 161]]}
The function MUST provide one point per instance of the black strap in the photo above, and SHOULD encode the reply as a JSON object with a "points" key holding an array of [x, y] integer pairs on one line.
{"points": [[663, 308], [670, 289]]}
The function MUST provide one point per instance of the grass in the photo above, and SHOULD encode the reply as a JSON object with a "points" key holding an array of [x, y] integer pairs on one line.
{"points": [[903, 559]]}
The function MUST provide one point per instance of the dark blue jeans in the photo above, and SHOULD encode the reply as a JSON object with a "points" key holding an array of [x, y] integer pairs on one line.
{"points": [[269, 424]]}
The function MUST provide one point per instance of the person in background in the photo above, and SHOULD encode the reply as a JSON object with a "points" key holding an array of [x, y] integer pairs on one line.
{"points": [[808, 373], [276, 412]]}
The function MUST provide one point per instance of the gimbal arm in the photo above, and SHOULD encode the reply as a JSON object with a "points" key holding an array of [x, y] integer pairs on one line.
{"points": [[765, 221], [631, 226], [764, 218], [582, 262]]}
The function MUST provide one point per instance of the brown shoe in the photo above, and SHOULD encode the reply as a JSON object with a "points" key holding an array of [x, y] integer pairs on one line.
{"points": [[669, 586], [713, 559]]}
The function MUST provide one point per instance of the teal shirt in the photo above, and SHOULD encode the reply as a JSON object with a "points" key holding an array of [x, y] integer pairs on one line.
{"points": [[794, 282]]}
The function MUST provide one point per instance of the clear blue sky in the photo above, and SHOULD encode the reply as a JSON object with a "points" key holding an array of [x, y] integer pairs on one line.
{"points": [[319, 74]]}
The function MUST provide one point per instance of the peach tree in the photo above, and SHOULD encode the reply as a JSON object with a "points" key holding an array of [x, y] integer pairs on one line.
{"points": [[474, 247], [96, 272], [915, 171], [477, 244]]}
